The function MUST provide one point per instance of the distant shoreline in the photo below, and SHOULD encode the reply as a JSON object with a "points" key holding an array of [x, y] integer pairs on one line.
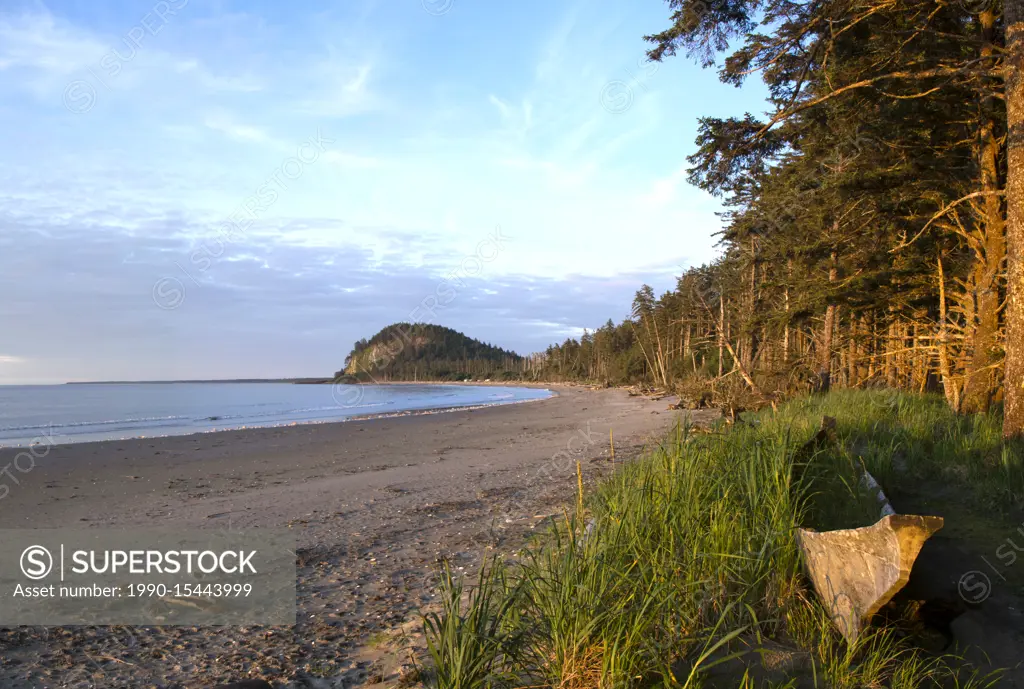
{"points": [[299, 381], [496, 383]]}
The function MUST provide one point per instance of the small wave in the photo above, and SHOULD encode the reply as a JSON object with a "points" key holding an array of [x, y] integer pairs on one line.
{"points": [[286, 412], [108, 422]]}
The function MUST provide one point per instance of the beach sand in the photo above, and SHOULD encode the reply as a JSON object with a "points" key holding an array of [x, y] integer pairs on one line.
{"points": [[375, 506]]}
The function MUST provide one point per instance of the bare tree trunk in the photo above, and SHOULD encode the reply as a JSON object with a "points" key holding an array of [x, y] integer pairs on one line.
{"points": [[749, 344], [949, 386], [766, 351], [872, 363], [825, 356], [643, 350], [661, 352], [919, 357], [1013, 411], [864, 346], [785, 334], [890, 356], [721, 335], [851, 355], [901, 354], [738, 366]]}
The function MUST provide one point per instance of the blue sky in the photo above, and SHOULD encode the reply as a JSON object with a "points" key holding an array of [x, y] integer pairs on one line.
{"points": [[204, 188]]}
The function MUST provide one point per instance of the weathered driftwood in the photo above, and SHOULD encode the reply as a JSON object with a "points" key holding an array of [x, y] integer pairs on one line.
{"points": [[857, 571]]}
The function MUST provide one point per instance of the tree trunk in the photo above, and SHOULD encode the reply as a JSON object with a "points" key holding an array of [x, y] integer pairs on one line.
{"points": [[864, 349], [919, 358], [872, 363], [825, 356], [982, 381], [738, 366], [721, 334], [890, 357], [749, 344], [1013, 412], [825, 359], [902, 329], [785, 335], [852, 358], [661, 353], [949, 386]]}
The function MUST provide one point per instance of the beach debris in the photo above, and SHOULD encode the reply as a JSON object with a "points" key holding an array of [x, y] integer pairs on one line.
{"points": [[857, 571], [704, 401], [731, 413], [869, 482]]}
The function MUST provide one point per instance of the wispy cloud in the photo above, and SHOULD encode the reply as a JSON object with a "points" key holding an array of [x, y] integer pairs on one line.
{"points": [[221, 122], [340, 89], [441, 130], [242, 83]]}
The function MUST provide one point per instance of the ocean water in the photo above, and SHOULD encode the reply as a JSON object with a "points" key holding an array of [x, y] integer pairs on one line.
{"points": [[57, 414]]}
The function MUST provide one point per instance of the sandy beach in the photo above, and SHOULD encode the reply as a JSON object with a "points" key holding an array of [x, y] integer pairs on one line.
{"points": [[375, 505]]}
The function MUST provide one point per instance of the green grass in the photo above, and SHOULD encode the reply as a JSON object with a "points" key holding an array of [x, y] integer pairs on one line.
{"points": [[903, 439], [685, 560]]}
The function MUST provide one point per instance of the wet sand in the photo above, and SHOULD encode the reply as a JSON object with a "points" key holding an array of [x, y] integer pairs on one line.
{"points": [[375, 505]]}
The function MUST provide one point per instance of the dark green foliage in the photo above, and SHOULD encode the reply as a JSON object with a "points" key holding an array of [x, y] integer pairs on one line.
{"points": [[420, 351], [863, 240]]}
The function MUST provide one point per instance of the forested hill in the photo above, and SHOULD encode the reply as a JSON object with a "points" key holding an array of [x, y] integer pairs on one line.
{"points": [[418, 351]]}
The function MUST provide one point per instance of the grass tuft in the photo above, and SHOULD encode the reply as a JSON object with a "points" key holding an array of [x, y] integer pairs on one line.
{"points": [[683, 567]]}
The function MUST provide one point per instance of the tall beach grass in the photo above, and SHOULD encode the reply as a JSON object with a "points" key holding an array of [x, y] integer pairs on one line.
{"points": [[682, 566]]}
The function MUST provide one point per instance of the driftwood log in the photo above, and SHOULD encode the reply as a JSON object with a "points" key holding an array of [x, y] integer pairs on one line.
{"points": [[856, 572]]}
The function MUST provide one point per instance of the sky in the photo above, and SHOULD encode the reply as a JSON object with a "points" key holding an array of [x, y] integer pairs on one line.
{"points": [[218, 189]]}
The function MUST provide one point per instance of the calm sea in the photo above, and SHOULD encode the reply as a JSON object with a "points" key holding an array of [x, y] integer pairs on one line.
{"points": [[81, 413]]}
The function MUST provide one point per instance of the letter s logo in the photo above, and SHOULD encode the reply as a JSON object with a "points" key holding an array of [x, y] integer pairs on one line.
{"points": [[36, 562]]}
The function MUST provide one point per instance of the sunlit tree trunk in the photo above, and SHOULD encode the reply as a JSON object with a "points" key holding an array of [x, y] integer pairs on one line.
{"points": [[982, 379], [828, 329], [721, 335], [1013, 413], [949, 385], [851, 356]]}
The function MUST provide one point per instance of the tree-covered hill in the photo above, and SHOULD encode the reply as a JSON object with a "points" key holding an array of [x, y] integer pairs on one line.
{"points": [[419, 351]]}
